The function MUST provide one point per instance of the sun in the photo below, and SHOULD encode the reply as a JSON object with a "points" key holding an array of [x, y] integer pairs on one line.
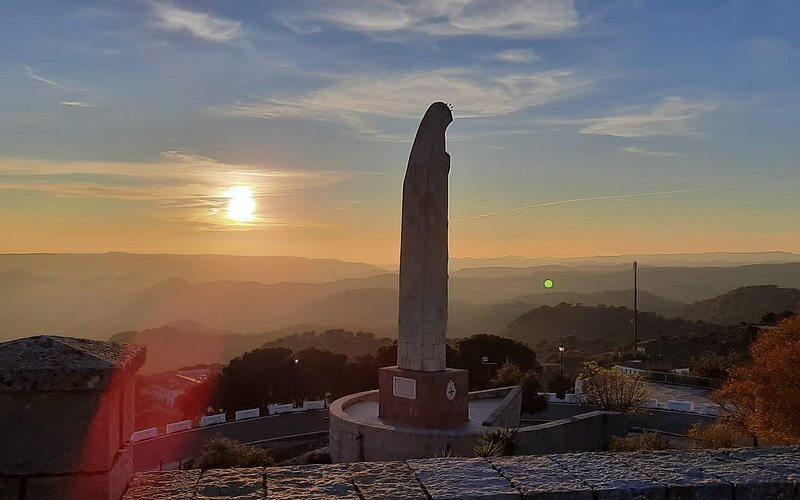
{"points": [[241, 205]]}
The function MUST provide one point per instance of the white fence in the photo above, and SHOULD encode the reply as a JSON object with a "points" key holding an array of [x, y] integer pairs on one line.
{"points": [[251, 413], [284, 408], [672, 404], [144, 434], [314, 405], [212, 419], [183, 425]]}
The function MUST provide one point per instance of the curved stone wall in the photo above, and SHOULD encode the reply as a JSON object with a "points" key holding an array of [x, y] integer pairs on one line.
{"points": [[357, 438], [357, 435]]}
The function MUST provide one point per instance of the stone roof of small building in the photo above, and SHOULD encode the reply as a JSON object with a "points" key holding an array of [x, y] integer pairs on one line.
{"points": [[52, 363]]}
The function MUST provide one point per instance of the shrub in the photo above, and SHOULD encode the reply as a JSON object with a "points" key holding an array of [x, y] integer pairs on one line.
{"points": [[511, 374], [717, 435], [614, 390], [497, 441], [223, 453], [649, 441]]}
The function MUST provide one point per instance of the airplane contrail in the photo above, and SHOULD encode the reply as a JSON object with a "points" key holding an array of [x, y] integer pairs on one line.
{"points": [[595, 198]]}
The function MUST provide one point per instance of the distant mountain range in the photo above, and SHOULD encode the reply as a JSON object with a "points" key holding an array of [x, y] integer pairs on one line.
{"points": [[710, 259], [95, 296], [196, 268]]}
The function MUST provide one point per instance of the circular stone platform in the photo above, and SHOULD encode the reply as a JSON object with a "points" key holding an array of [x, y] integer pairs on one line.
{"points": [[357, 434]]}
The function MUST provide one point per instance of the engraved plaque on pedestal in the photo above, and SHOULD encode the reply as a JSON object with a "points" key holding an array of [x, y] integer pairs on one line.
{"points": [[404, 387]]}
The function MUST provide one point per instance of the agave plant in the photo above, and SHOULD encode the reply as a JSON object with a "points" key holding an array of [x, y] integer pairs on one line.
{"points": [[496, 441]]}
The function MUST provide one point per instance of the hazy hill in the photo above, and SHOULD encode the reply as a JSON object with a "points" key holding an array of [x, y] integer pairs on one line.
{"points": [[364, 308], [89, 301], [346, 342], [647, 301], [715, 259], [680, 284], [187, 343], [746, 304], [268, 269], [612, 323]]}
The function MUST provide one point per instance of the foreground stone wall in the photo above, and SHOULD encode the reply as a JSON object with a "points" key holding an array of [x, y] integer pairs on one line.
{"points": [[740, 474], [357, 440]]}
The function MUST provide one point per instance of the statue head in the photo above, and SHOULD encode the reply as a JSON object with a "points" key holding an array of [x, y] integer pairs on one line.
{"points": [[432, 128]]}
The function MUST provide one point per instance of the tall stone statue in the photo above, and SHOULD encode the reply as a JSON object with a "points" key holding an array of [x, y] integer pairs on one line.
{"points": [[421, 390], [423, 248]]}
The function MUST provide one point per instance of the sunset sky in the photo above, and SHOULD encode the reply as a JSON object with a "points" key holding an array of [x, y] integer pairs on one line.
{"points": [[581, 128]]}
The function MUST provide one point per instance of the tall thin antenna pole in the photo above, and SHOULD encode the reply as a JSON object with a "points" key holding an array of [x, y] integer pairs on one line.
{"points": [[635, 309]]}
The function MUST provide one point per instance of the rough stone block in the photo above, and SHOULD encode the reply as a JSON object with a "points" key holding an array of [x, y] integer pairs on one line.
{"points": [[166, 485], [386, 480], [241, 484], [310, 481], [610, 479], [540, 478], [10, 487], [128, 411], [58, 432], [108, 485], [681, 473], [462, 478], [751, 479]]}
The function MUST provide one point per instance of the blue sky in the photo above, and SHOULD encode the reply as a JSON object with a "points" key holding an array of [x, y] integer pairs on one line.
{"points": [[580, 128]]}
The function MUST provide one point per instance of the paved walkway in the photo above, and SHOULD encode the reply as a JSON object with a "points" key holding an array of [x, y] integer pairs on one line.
{"points": [[665, 392]]}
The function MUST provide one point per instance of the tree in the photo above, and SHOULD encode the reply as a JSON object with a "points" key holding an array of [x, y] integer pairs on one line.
{"points": [[713, 365], [511, 374], [319, 371], [472, 350], [763, 398], [257, 378], [612, 389], [198, 398]]}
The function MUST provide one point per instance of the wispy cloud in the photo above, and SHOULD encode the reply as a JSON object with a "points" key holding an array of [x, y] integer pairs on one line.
{"points": [[79, 104], [359, 101], [630, 149], [594, 198], [517, 56], [673, 116], [47, 81], [497, 18], [199, 24], [68, 91], [192, 186]]}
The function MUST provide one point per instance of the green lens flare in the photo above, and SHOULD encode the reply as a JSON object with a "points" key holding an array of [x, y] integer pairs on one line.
{"points": [[548, 283]]}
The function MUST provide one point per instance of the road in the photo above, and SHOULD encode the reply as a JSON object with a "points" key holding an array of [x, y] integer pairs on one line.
{"points": [[672, 422], [149, 454]]}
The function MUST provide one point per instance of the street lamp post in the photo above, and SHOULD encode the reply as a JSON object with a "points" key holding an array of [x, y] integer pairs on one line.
{"points": [[561, 349], [635, 310]]}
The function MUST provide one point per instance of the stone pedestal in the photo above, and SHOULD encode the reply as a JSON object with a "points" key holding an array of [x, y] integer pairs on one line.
{"points": [[424, 399]]}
